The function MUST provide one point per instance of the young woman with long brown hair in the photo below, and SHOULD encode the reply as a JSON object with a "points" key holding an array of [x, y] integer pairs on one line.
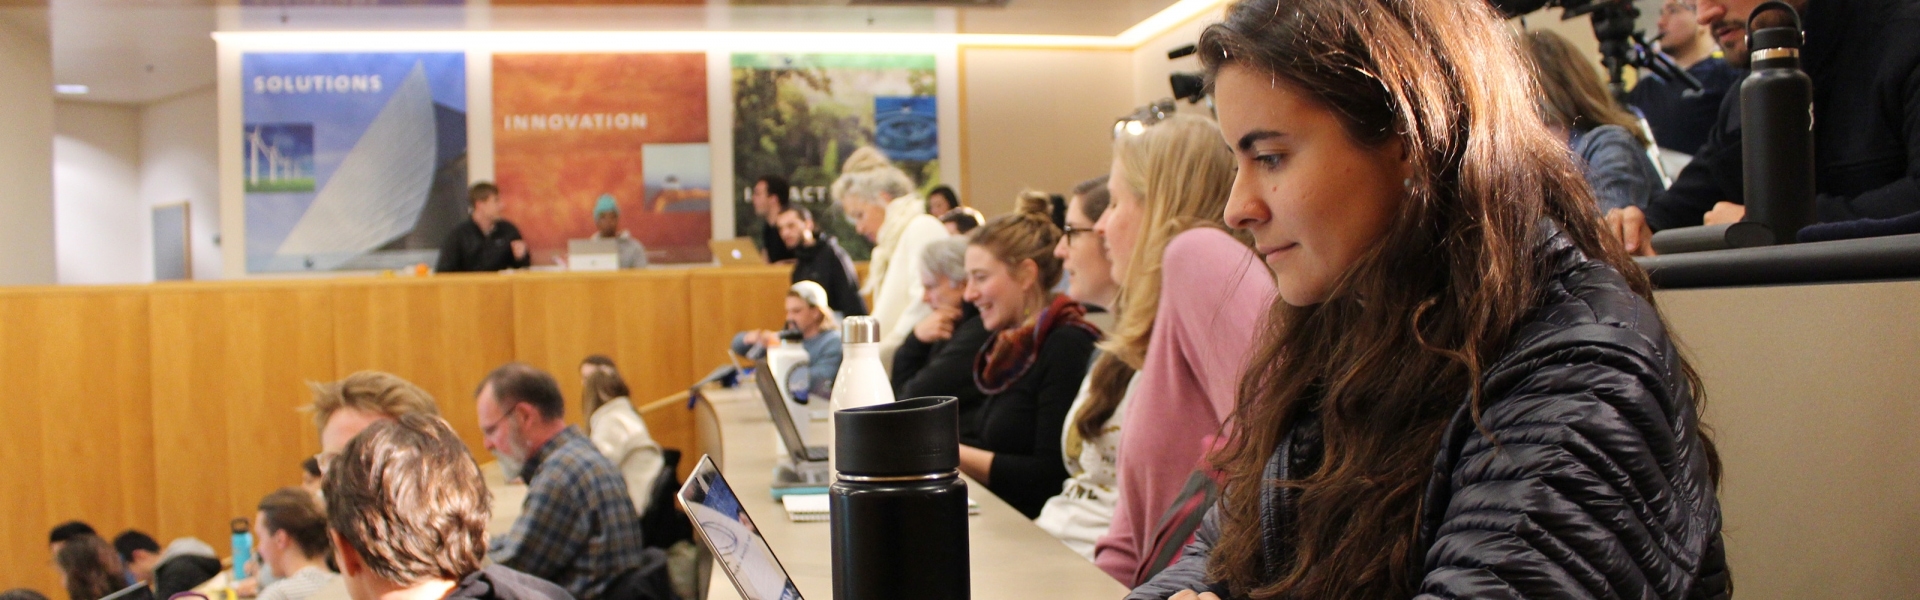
{"points": [[1612, 147], [615, 426], [1190, 292], [1465, 390]]}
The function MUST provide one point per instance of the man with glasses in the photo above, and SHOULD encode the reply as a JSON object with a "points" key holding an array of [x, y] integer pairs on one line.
{"points": [[1681, 117], [577, 528]]}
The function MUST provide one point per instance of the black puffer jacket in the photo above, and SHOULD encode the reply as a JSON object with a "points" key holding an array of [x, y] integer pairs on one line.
{"points": [[1599, 487]]}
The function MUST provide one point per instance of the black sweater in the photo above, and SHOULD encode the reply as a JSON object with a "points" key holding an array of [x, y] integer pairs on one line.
{"points": [[1022, 425], [1864, 59], [945, 368], [827, 264], [467, 249]]}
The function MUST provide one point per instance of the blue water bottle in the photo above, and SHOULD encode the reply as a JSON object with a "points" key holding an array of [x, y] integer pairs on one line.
{"points": [[242, 547]]}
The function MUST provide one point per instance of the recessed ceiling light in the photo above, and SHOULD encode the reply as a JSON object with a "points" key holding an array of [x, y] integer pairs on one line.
{"points": [[71, 89]]}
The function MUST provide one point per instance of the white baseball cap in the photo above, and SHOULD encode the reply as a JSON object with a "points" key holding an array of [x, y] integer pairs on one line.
{"points": [[813, 294]]}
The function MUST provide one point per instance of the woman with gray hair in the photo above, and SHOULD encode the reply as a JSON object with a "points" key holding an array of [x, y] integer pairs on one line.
{"points": [[879, 199], [937, 359]]}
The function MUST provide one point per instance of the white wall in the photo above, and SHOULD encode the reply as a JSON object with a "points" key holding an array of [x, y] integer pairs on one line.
{"points": [[179, 150], [26, 148], [101, 232]]}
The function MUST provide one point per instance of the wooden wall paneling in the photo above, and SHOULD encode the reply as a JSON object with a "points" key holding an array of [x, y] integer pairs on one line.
{"points": [[729, 300], [76, 434], [443, 334], [639, 319], [230, 368]]}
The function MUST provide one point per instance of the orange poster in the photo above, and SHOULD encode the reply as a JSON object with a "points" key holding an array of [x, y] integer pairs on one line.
{"points": [[569, 129]]}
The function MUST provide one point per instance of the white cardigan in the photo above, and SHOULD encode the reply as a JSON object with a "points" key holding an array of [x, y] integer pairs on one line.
{"points": [[623, 438], [895, 274]]}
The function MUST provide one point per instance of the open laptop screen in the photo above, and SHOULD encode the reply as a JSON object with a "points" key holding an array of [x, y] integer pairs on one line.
{"points": [[730, 534]]}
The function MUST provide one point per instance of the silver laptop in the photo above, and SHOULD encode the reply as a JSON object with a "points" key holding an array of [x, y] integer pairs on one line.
{"points": [[723, 525], [783, 422], [593, 255]]}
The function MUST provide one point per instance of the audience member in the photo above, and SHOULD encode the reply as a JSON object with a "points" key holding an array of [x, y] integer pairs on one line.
{"points": [[577, 527], [1863, 59], [937, 360], [341, 409], [310, 475], [187, 563], [1681, 117], [1031, 365], [769, 200], [1465, 391], [1191, 290], [1081, 512], [407, 517], [820, 259], [962, 220], [139, 553], [1577, 107], [808, 314], [292, 532], [66, 531], [487, 241], [90, 569], [606, 226], [941, 200], [618, 432], [878, 198], [22, 594]]}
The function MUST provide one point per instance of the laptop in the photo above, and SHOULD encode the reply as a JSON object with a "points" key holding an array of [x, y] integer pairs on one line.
{"points": [[790, 434], [722, 524], [736, 252], [589, 254]]}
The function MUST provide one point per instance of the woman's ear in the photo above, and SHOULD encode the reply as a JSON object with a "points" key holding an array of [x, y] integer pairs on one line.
{"points": [[344, 554], [1027, 273]]}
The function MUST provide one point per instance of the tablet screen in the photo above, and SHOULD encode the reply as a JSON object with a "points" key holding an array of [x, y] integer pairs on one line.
{"points": [[730, 534]]}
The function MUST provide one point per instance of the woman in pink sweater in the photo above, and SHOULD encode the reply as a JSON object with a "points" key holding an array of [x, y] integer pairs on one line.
{"points": [[1193, 295]]}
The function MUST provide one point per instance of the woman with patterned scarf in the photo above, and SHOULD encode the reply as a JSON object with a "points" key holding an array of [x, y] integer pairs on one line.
{"points": [[1032, 365]]}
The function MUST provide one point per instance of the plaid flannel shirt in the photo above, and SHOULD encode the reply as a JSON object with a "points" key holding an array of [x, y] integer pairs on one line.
{"points": [[578, 528]]}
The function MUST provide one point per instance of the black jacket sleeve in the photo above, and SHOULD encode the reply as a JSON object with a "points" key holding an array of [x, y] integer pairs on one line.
{"points": [[513, 235], [1902, 195], [1027, 480], [908, 360], [1584, 479], [1714, 175]]}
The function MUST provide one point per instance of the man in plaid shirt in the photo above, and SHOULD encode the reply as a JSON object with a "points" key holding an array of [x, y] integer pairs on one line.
{"points": [[578, 528]]}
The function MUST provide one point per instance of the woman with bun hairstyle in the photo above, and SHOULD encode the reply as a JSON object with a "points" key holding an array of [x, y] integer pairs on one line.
{"points": [[1191, 295], [1033, 360], [1465, 390], [879, 199]]}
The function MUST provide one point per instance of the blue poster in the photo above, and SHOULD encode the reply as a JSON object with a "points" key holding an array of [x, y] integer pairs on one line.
{"points": [[352, 161]]}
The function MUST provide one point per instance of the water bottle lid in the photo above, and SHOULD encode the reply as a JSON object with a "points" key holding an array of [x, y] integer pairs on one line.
{"points": [[1774, 37], [910, 437], [860, 330]]}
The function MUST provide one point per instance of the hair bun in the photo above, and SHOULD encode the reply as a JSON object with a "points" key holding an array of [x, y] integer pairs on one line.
{"points": [[1034, 203]]}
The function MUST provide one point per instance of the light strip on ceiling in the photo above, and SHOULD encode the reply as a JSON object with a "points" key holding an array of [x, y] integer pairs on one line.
{"points": [[747, 41]]}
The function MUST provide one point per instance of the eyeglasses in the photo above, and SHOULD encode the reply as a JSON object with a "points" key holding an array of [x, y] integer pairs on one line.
{"points": [[1069, 231]]}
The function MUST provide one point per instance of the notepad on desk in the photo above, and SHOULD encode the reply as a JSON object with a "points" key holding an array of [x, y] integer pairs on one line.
{"points": [[814, 508]]}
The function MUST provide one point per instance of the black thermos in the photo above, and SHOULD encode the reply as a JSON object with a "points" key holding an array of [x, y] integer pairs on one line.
{"points": [[1776, 123], [898, 505]]}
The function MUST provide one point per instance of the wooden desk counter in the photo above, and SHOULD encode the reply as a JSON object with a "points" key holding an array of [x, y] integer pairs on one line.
{"points": [[1011, 557]]}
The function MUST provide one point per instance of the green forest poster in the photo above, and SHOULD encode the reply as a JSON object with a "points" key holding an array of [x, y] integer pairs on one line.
{"points": [[801, 115]]}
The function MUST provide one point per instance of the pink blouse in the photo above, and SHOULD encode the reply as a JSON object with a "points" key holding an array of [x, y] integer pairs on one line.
{"points": [[1213, 293]]}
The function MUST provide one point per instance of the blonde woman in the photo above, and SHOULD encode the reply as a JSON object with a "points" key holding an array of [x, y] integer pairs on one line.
{"points": [[879, 199], [617, 431], [1164, 232]]}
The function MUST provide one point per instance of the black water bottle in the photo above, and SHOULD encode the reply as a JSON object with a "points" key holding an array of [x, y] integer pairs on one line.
{"points": [[1776, 124], [898, 505]]}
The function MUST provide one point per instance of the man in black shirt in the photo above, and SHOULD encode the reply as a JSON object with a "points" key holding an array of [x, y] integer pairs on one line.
{"points": [[485, 242], [1864, 59], [769, 200], [820, 259]]}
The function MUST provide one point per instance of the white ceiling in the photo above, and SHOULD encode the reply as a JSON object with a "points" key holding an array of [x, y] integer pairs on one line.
{"points": [[141, 51]]}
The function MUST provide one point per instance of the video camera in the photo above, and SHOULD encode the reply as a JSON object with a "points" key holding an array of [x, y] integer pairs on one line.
{"points": [[1620, 45]]}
